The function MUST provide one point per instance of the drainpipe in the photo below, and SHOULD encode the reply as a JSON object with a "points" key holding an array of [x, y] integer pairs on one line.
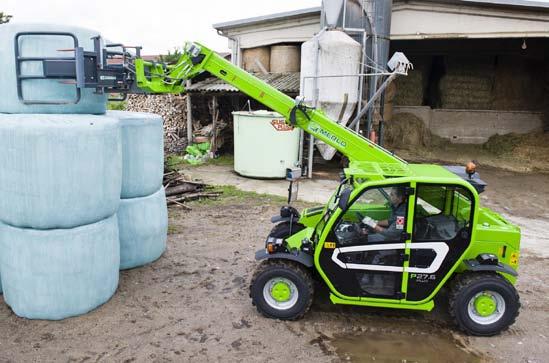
{"points": [[235, 48], [380, 21]]}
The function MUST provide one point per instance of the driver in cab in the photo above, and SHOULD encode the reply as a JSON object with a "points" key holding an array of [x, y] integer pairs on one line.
{"points": [[391, 228]]}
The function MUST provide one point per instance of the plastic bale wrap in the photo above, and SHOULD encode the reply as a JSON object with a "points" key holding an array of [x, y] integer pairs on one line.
{"points": [[0, 257], [48, 90], [56, 274], [142, 153], [59, 171], [143, 225]]}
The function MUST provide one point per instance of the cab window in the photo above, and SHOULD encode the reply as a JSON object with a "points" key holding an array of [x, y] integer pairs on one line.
{"points": [[378, 215], [441, 212]]}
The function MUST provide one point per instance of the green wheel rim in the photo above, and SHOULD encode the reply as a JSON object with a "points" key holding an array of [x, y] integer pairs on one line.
{"points": [[281, 291], [485, 305]]}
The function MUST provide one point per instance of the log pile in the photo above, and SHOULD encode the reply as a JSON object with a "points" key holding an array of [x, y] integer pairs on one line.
{"points": [[173, 109], [180, 189], [209, 122]]}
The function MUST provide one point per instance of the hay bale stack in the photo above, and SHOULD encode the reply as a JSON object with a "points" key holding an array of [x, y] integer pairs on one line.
{"points": [[468, 83], [518, 85], [546, 96], [410, 89]]}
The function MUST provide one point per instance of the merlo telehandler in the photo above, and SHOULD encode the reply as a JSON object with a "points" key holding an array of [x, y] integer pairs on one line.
{"points": [[392, 235]]}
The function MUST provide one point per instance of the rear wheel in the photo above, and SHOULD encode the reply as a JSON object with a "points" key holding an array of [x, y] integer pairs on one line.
{"points": [[282, 289], [483, 304]]}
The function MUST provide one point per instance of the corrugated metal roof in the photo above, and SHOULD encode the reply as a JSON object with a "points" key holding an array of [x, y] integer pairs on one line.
{"points": [[284, 82]]}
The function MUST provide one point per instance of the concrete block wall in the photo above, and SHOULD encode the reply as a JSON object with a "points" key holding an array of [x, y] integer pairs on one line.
{"points": [[474, 126]]}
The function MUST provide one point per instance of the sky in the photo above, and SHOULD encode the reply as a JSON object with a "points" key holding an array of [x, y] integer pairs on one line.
{"points": [[158, 26]]}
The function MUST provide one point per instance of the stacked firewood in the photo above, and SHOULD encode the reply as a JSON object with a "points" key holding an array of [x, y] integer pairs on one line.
{"points": [[173, 109], [180, 189]]}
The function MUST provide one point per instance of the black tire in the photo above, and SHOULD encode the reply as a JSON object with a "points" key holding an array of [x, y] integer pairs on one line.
{"points": [[466, 286], [283, 230], [299, 275]]}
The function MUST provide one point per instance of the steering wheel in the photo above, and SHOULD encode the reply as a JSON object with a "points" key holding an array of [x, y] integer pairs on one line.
{"points": [[364, 225]]}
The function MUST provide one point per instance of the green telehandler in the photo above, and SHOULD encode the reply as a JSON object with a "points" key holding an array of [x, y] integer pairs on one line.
{"points": [[392, 235]]}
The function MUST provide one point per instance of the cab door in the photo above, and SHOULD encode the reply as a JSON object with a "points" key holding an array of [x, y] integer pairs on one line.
{"points": [[443, 218], [363, 253]]}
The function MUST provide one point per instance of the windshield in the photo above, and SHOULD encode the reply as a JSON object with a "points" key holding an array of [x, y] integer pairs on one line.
{"points": [[331, 207]]}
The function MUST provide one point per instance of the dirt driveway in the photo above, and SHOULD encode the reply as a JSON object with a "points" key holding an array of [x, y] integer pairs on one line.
{"points": [[193, 305]]}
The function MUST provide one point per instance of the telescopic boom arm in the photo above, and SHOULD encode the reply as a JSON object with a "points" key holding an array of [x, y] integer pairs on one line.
{"points": [[156, 78]]}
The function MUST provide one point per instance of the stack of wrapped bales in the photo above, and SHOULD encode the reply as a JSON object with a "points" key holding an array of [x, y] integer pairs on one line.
{"points": [[143, 215], [63, 167]]}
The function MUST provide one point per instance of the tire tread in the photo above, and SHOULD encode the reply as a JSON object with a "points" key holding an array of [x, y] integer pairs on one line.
{"points": [[301, 271], [467, 279]]}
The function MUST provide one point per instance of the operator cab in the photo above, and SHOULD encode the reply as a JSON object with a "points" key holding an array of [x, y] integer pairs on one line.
{"points": [[368, 240]]}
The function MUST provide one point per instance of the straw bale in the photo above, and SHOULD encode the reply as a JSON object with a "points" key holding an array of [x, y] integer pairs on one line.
{"points": [[410, 89], [468, 82], [518, 85]]}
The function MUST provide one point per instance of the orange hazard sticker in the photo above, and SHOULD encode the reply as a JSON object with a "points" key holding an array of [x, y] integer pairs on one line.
{"points": [[281, 125]]}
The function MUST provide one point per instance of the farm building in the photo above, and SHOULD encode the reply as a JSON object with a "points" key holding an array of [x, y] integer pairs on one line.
{"points": [[481, 67]]}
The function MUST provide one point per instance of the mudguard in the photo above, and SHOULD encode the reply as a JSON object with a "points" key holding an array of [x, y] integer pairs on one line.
{"points": [[300, 257], [277, 219], [475, 266]]}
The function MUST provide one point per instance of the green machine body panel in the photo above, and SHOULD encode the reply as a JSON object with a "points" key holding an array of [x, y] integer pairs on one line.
{"points": [[370, 166]]}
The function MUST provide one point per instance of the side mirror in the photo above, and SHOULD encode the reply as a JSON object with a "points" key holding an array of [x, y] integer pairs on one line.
{"points": [[344, 198]]}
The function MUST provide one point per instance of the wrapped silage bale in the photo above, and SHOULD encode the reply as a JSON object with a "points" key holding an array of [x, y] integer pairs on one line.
{"points": [[43, 90], [142, 152], [56, 274], [58, 171], [0, 258], [143, 225]]}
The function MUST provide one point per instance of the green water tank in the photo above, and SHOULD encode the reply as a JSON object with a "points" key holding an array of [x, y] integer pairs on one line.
{"points": [[264, 145]]}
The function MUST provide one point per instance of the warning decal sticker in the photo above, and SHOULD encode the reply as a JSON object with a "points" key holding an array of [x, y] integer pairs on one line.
{"points": [[400, 222], [281, 125]]}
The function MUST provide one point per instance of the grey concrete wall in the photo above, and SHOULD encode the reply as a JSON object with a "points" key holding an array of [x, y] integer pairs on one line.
{"points": [[474, 126]]}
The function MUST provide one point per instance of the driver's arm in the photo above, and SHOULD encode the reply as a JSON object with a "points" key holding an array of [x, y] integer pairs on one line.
{"points": [[383, 223], [377, 226], [380, 227]]}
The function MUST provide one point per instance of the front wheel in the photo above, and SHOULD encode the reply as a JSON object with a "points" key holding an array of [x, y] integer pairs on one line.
{"points": [[483, 304], [282, 290], [285, 229]]}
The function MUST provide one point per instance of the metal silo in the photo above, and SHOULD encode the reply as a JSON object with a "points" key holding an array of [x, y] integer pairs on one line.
{"points": [[330, 65]]}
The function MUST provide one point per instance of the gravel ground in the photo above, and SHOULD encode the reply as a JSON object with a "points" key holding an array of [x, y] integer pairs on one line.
{"points": [[192, 305]]}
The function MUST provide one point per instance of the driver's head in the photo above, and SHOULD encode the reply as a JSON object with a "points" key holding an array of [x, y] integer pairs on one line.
{"points": [[397, 196]]}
